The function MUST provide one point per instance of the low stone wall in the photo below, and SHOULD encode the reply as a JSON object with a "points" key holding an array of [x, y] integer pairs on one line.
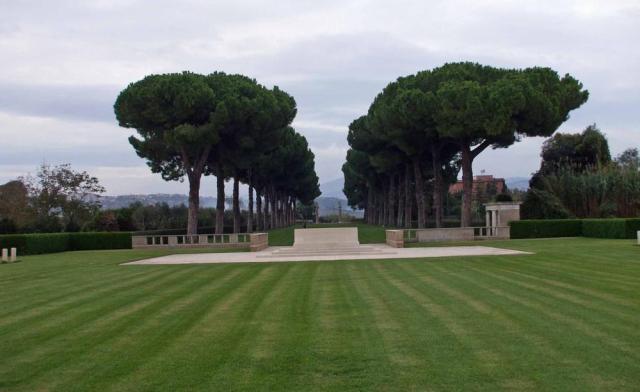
{"points": [[445, 234], [395, 238], [493, 233], [253, 241], [258, 241]]}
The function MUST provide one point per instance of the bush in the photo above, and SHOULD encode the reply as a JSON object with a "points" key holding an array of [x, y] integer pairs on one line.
{"points": [[32, 244], [7, 226], [98, 241], [610, 228], [596, 228], [546, 228], [539, 204], [504, 197]]}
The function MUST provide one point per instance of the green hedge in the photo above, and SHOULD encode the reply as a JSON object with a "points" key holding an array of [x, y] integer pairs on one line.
{"points": [[610, 228], [546, 228], [32, 244], [598, 228]]}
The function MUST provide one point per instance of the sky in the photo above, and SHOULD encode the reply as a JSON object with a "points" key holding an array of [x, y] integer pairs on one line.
{"points": [[63, 63]]}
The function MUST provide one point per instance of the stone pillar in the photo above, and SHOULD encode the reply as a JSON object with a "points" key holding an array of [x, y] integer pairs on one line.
{"points": [[487, 218], [494, 223], [14, 255], [5, 255]]}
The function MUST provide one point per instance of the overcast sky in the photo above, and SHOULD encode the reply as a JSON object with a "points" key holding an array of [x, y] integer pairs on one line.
{"points": [[63, 63]]}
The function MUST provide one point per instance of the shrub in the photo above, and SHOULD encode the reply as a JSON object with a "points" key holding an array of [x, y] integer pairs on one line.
{"points": [[97, 241], [503, 197], [610, 228], [32, 244], [546, 228], [597, 228], [539, 204]]}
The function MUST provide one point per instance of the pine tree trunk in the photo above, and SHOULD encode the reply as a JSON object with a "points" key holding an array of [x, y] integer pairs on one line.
{"points": [[237, 218], [194, 203], [265, 216], [250, 211], [420, 200], [467, 186], [220, 201], [292, 212], [384, 202], [392, 201], [274, 211], [370, 209], [259, 221], [400, 194], [437, 185], [408, 196], [380, 198]]}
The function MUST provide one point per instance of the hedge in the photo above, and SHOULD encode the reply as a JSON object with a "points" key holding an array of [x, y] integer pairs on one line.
{"points": [[598, 228], [32, 244], [546, 228], [610, 228]]}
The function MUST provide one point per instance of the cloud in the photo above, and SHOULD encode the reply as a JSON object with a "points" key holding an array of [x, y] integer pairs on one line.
{"points": [[79, 102], [64, 63]]}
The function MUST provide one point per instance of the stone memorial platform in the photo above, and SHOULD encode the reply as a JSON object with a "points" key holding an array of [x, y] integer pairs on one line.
{"points": [[325, 245]]}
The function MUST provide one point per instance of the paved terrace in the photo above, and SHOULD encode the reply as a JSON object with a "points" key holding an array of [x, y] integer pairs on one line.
{"points": [[326, 245]]}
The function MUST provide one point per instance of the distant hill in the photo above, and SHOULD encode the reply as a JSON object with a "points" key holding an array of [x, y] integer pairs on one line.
{"points": [[327, 205], [331, 206], [333, 188], [520, 183], [121, 201], [332, 197]]}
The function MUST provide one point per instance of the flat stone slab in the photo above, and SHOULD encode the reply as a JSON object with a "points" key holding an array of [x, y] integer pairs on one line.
{"points": [[327, 238], [285, 254]]}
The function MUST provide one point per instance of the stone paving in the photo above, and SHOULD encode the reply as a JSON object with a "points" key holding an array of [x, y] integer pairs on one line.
{"points": [[325, 245]]}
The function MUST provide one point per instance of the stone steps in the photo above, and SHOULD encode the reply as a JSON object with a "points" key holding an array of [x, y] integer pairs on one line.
{"points": [[326, 242], [321, 251]]}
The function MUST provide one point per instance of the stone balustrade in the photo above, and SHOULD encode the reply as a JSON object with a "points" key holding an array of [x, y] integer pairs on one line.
{"points": [[397, 238], [252, 241]]}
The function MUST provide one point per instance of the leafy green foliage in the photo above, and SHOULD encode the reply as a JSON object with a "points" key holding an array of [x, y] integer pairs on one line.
{"points": [[611, 228], [539, 204], [629, 158], [598, 228], [546, 228], [579, 152], [455, 111], [609, 191], [502, 197], [30, 244]]}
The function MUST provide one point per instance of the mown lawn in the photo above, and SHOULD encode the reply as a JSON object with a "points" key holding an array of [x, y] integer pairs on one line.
{"points": [[565, 318]]}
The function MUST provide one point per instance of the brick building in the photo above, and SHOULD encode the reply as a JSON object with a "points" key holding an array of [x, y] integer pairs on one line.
{"points": [[483, 186]]}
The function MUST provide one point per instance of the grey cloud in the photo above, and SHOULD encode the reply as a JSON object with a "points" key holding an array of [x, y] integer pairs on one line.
{"points": [[68, 60], [86, 103]]}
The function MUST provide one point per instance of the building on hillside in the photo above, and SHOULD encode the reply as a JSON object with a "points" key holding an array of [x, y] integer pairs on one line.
{"points": [[484, 187]]}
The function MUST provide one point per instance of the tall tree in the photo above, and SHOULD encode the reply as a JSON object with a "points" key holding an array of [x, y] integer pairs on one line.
{"points": [[178, 117], [481, 106], [61, 197]]}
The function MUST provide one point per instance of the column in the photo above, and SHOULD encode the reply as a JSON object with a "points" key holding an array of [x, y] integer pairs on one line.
{"points": [[494, 222]]}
